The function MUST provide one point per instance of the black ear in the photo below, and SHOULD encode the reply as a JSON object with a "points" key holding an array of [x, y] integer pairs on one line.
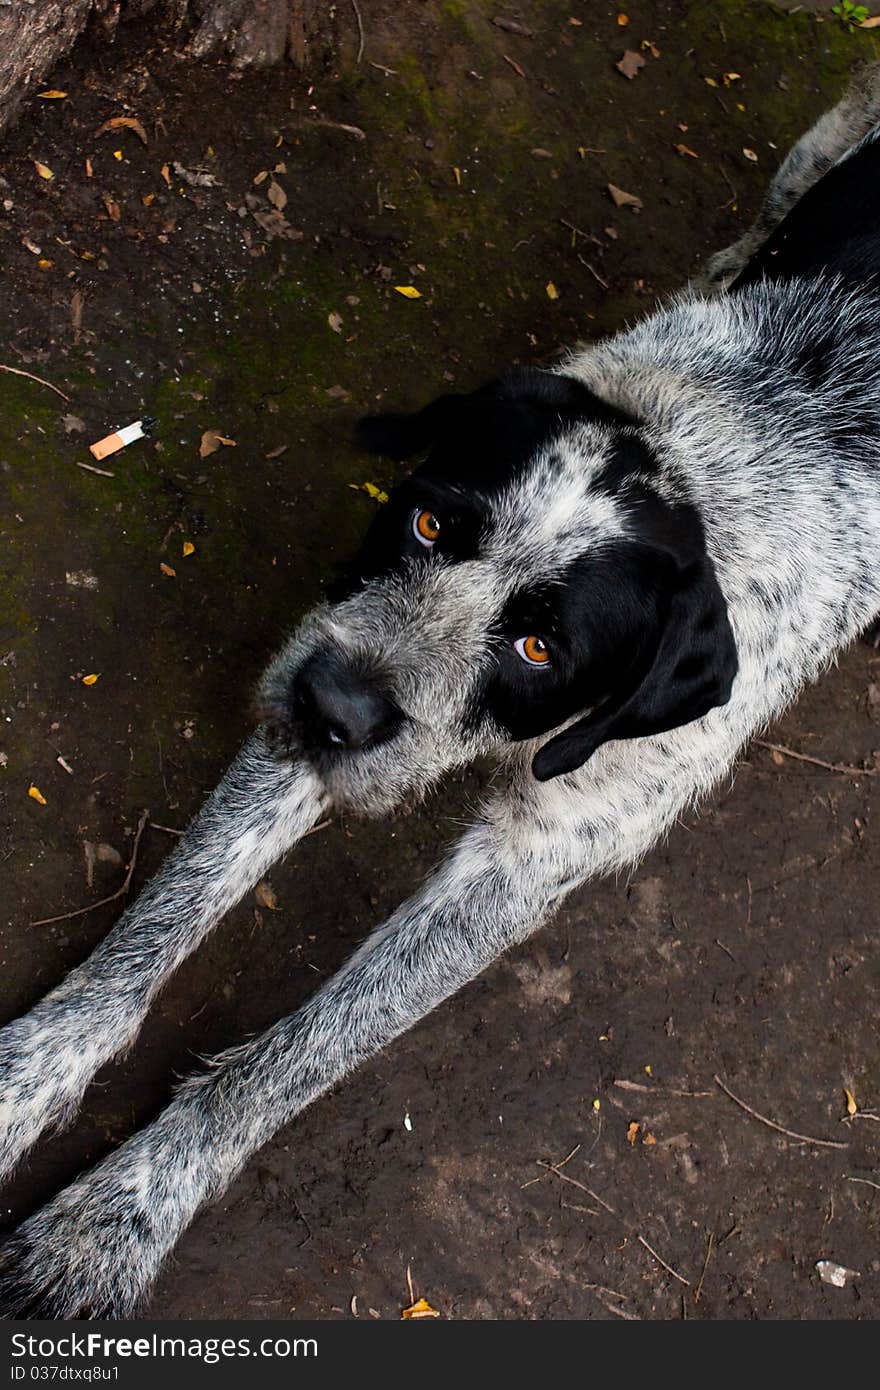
{"points": [[398, 436], [686, 672]]}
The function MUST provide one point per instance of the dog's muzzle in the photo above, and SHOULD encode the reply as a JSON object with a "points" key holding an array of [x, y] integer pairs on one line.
{"points": [[341, 708]]}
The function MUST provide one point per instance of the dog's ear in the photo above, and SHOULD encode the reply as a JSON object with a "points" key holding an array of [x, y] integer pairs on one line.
{"points": [[687, 669], [399, 436]]}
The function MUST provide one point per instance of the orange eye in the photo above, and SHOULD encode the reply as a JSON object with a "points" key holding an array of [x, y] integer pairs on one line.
{"points": [[533, 650], [426, 528]]}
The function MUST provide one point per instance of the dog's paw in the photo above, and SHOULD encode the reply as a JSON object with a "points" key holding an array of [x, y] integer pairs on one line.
{"points": [[73, 1259]]}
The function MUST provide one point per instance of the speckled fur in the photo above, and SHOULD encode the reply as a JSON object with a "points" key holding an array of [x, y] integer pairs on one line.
{"points": [[789, 496]]}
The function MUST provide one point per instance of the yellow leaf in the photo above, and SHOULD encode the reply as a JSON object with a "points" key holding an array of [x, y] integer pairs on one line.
{"points": [[710, 82], [51, 95], [211, 442], [649, 1140], [90, 680], [166, 569], [623, 20], [43, 170], [649, 1071], [728, 77], [851, 1106], [147, 199], [420, 1309], [632, 1132], [37, 795], [44, 264], [117, 154], [408, 291], [597, 1105], [188, 548], [552, 291], [371, 490]]}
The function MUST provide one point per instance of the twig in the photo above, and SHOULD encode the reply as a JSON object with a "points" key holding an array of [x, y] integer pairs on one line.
{"points": [[166, 829], [322, 825], [771, 1124], [662, 1090], [867, 1181], [389, 72], [595, 274], [844, 768], [16, 371], [120, 892], [90, 468], [699, 1289], [360, 24], [674, 1272]]}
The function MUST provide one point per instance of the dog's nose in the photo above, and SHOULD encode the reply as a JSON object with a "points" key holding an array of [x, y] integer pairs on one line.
{"points": [[340, 707]]}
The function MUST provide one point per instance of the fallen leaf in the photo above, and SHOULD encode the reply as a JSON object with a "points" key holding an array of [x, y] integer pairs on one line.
{"points": [[265, 896], [597, 1104], [648, 46], [77, 301], [649, 1140], [90, 680], [420, 1309], [43, 264], [552, 291], [851, 1107], [632, 1132], [337, 393], [51, 95], [147, 199], [540, 153], [730, 77], [43, 170], [89, 169], [456, 174], [710, 82], [114, 211], [188, 548], [277, 451], [630, 63], [261, 177], [276, 195], [117, 154], [167, 569], [73, 425], [686, 150], [624, 200], [514, 64], [750, 154], [335, 321], [211, 442], [124, 123], [36, 795], [623, 20], [871, 23], [408, 291], [166, 174], [31, 246], [196, 178], [371, 490], [512, 26]]}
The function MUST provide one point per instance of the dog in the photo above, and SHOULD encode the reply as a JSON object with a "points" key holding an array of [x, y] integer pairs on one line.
{"points": [[607, 577]]}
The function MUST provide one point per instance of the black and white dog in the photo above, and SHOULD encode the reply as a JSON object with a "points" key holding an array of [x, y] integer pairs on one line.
{"points": [[608, 577]]}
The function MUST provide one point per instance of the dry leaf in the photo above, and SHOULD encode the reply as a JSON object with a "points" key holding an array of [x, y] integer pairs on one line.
{"points": [[90, 680], [43, 264], [124, 123], [265, 896], [420, 1309], [750, 154], [261, 177], [147, 199], [512, 26], [686, 150], [51, 95], [728, 78], [117, 154], [211, 442], [335, 321], [188, 548], [277, 451], [871, 23], [630, 63], [114, 211], [710, 82], [196, 178], [89, 170], [77, 301], [167, 569], [851, 1107], [408, 291], [623, 20], [276, 195], [456, 174], [371, 490], [649, 1140], [43, 170], [36, 795], [624, 200], [166, 174], [648, 46], [632, 1132]]}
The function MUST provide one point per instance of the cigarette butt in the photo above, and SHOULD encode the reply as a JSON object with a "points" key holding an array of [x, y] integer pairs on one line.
{"points": [[112, 443]]}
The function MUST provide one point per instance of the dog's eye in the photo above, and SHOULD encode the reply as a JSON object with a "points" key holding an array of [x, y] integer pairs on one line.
{"points": [[425, 528], [533, 650]]}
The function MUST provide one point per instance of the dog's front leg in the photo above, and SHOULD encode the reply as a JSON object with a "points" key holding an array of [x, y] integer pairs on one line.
{"points": [[48, 1056], [95, 1250]]}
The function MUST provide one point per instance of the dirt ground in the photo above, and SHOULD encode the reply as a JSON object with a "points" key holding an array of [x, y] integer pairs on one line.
{"points": [[458, 155]]}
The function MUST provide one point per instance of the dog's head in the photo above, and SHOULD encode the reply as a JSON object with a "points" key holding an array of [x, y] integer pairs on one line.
{"points": [[534, 575]]}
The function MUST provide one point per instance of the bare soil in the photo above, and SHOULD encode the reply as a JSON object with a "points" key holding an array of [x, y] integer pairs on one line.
{"points": [[147, 279]]}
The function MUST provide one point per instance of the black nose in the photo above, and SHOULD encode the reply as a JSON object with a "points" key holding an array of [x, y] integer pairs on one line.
{"points": [[340, 707]]}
